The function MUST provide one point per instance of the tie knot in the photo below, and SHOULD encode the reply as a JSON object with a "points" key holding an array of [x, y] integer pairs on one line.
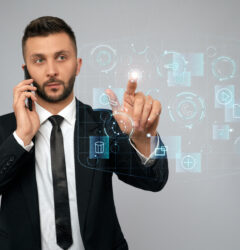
{"points": [[55, 120]]}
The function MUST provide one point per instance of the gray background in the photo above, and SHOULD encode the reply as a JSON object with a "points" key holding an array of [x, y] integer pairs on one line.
{"points": [[195, 211]]}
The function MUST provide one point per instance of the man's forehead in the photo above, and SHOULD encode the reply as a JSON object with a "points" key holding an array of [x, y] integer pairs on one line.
{"points": [[50, 44]]}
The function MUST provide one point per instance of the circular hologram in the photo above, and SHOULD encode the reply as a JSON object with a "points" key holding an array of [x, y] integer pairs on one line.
{"points": [[187, 109], [104, 99], [103, 58], [223, 68], [111, 127], [211, 51], [106, 115], [188, 162]]}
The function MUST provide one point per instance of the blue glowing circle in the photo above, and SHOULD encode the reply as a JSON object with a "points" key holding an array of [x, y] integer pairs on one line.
{"points": [[104, 99], [211, 51], [103, 58], [188, 162], [111, 127], [224, 68], [187, 109]]}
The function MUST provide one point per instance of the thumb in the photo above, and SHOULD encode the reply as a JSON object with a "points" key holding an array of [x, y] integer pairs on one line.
{"points": [[113, 100]]}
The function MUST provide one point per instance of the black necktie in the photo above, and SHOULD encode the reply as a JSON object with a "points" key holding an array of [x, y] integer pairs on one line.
{"points": [[60, 188]]}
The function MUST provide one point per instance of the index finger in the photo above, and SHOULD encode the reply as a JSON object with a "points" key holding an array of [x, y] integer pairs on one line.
{"points": [[25, 82], [131, 87]]}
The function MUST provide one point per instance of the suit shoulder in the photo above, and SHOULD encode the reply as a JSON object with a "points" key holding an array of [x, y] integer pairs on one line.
{"points": [[7, 124], [94, 113], [7, 119]]}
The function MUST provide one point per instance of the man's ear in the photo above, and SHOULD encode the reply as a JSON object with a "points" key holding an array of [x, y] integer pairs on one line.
{"points": [[23, 66], [79, 65]]}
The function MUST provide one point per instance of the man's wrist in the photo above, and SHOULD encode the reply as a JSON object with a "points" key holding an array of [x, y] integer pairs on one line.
{"points": [[25, 138]]}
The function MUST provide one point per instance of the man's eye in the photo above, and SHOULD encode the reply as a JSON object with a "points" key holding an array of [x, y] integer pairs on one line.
{"points": [[62, 57], [39, 60]]}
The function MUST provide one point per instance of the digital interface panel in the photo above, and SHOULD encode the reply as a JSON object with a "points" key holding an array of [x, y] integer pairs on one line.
{"points": [[198, 87]]}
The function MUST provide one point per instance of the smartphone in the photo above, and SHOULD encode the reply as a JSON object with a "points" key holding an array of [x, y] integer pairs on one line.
{"points": [[27, 76]]}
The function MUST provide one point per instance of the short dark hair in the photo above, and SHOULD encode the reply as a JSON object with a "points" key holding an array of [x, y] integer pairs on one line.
{"points": [[44, 26]]}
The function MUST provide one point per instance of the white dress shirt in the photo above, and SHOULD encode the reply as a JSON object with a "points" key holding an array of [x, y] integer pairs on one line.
{"points": [[44, 175]]}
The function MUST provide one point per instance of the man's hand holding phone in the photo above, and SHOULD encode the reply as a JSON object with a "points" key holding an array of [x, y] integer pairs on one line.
{"points": [[27, 121]]}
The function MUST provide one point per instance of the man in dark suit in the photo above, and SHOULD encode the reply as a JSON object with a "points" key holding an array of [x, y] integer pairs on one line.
{"points": [[55, 195]]}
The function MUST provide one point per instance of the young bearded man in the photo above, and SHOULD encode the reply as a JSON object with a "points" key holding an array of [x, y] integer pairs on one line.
{"points": [[54, 196]]}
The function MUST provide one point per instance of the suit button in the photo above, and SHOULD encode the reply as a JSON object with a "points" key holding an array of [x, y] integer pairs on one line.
{"points": [[12, 158], [9, 163]]}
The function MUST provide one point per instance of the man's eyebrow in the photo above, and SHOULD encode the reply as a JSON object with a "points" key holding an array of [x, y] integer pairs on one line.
{"points": [[55, 54]]}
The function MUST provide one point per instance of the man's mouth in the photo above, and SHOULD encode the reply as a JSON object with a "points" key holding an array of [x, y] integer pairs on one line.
{"points": [[53, 84]]}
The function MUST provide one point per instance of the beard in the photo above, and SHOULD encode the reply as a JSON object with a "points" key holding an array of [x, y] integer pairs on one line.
{"points": [[67, 89]]}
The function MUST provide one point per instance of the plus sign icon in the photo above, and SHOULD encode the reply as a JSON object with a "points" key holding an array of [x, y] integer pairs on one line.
{"points": [[188, 163]]}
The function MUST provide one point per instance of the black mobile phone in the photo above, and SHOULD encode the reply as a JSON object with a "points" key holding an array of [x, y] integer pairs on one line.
{"points": [[27, 76]]}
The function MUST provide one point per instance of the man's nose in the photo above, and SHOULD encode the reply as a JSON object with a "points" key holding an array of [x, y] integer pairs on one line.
{"points": [[52, 70]]}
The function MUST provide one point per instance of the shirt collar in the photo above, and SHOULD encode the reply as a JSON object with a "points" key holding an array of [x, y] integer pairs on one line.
{"points": [[68, 113]]}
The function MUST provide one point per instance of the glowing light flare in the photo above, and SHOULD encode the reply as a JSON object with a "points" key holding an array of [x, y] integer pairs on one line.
{"points": [[134, 75]]}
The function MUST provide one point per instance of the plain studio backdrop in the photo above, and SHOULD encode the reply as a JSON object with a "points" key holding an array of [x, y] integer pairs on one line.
{"points": [[187, 53]]}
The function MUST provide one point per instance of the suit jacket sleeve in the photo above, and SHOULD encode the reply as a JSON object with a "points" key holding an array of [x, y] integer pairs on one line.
{"points": [[12, 155], [130, 169]]}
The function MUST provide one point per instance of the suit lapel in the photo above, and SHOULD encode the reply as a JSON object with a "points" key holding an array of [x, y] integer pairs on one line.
{"points": [[85, 125]]}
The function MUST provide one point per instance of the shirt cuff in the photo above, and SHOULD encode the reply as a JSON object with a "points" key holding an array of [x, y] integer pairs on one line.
{"points": [[27, 147], [147, 161]]}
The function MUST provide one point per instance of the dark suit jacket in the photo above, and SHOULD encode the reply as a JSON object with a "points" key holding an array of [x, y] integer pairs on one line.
{"points": [[100, 229]]}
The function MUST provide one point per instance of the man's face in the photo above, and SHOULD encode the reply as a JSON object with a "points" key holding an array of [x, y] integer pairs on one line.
{"points": [[53, 65]]}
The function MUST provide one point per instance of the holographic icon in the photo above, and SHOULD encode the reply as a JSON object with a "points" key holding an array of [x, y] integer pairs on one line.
{"points": [[172, 146], [211, 51], [187, 108], [232, 112], [103, 58], [188, 163], [236, 111], [173, 66], [102, 101], [221, 132], [99, 147], [224, 96], [160, 152], [223, 68]]}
